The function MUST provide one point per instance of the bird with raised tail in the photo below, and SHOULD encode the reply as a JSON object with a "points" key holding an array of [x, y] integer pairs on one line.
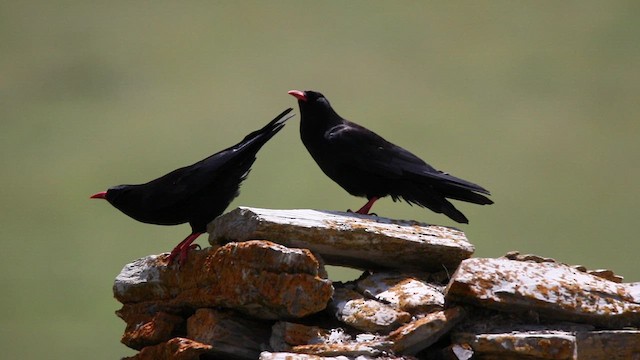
{"points": [[366, 165], [194, 194]]}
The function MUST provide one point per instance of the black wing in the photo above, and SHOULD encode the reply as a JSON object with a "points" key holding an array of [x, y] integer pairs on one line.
{"points": [[234, 162], [370, 153]]}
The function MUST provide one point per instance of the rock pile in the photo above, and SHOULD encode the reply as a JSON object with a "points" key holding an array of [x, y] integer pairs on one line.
{"points": [[261, 292]]}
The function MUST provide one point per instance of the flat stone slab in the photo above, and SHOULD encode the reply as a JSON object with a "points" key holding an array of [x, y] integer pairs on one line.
{"points": [[348, 239], [294, 356], [553, 344], [312, 340], [552, 290], [608, 345], [146, 328], [351, 308], [230, 335], [407, 292], [176, 348], [418, 335], [258, 278]]}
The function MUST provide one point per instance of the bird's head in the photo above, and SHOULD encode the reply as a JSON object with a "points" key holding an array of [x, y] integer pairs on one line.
{"points": [[309, 97], [112, 195], [313, 104]]}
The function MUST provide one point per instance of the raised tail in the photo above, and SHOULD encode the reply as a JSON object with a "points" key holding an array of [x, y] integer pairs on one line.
{"points": [[261, 136]]}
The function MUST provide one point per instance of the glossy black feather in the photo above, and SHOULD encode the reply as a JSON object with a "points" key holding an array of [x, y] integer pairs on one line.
{"points": [[196, 193], [365, 164]]}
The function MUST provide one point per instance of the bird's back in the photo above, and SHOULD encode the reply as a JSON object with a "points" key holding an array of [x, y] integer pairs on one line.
{"points": [[199, 192]]}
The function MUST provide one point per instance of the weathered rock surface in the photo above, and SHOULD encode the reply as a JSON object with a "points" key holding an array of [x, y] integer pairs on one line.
{"points": [[294, 356], [259, 278], [552, 344], [608, 344], [544, 345], [348, 239], [368, 315], [176, 348], [146, 328], [229, 333], [550, 289], [422, 333], [258, 299], [407, 292], [603, 273], [285, 335]]}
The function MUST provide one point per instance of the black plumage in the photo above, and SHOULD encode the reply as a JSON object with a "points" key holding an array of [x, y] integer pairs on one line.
{"points": [[365, 164], [194, 194]]}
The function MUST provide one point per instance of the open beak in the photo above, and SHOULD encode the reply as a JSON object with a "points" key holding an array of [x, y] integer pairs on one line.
{"points": [[100, 195], [298, 94]]}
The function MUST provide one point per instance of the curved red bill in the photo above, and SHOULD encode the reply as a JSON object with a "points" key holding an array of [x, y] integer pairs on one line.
{"points": [[298, 94], [100, 195]]}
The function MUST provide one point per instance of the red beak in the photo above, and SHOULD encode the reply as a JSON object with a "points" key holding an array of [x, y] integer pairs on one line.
{"points": [[100, 195], [298, 95]]}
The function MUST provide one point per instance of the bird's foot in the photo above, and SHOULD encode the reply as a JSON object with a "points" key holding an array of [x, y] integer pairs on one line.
{"points": [[181, 251], [361, 213], [179, 254], [365, 209]]}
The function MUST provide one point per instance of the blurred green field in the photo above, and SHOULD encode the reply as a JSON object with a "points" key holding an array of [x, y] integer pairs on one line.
{"points": [[537, 101]]}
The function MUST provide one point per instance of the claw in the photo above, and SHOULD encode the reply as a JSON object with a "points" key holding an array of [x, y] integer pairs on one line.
{"points": [[365, 209], [181, 250]]}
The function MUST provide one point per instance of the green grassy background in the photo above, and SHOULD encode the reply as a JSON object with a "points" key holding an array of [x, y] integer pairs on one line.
{"points": [[537, 101]]}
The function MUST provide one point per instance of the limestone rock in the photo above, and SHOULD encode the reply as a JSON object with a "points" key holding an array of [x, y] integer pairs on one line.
{"points": [[293, 356], [286, 335], [603, 273], [417, 335], [549, 289], [229, 335], [366, 345], [606, 274], [608, 345], [407, 292], [175, 349], [552, 345], [348, 239], [258, 278], [302, 339], [237, 299], [147, 328], [367, 315]]}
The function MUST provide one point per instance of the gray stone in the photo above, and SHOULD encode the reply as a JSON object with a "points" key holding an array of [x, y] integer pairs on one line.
{"points": [[348, 239], [549, 289]]}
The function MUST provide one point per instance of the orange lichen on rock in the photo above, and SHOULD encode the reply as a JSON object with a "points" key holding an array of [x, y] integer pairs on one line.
{"points": [[175, 349]]}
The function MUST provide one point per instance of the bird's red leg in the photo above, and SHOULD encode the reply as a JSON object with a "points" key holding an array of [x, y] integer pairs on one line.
{"points": [[365, 209], [183, 248]]}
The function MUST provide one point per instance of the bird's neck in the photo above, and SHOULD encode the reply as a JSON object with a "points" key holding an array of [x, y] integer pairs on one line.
{"points": [[317, 123]]}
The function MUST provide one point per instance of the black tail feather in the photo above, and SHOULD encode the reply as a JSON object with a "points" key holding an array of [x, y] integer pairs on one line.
{"points": [[432, 200], [456, 193], [271, 128]]}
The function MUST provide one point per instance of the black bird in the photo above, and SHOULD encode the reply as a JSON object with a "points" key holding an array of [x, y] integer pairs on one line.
{"points": [[197, 193], [365, 164]]}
